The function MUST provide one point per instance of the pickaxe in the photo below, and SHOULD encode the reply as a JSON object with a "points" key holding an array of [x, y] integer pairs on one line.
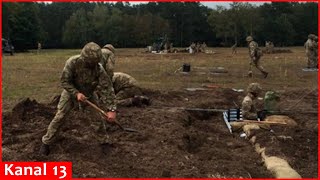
{"points": [[104, 113]]}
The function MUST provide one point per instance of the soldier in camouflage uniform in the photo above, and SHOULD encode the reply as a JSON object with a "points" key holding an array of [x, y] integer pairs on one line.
{"points": [[39, 47], [311, 51], [198, 47], [108, 62], [193, 47], [234, 48], [255, 54], [203, 47], [127, 91], [80, 77], [271, 47], [315, 42], [249, 110], [171, 48]]}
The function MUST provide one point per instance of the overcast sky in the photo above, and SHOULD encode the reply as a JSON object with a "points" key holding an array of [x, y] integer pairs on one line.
{"points": [[226, 4], [214, 4]]}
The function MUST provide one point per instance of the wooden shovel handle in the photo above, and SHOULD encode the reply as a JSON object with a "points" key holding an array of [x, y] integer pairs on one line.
{"points": [[103, 112], [96, 107]]}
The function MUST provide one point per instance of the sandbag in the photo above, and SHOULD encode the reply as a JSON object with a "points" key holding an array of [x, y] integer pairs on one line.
{"points": [[282, 119]]}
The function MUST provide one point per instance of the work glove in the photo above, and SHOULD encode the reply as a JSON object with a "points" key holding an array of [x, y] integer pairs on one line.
{"points": [[262, 114]]}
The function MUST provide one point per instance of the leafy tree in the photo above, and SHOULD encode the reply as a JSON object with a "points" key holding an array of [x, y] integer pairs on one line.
{"points": [[70, 24], [22, 24], [77, 29]]}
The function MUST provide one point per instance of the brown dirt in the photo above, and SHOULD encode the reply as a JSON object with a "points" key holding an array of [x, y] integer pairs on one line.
{"points": [[171, 142]]}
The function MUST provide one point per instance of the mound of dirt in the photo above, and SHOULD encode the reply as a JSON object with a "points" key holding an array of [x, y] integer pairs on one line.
{"points": [[170, 142]]}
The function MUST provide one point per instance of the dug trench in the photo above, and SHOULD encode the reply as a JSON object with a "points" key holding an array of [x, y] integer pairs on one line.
{"points": [[170, 142]]}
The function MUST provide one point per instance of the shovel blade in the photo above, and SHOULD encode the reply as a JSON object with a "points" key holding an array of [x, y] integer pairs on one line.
{"points": [[130, 130]]}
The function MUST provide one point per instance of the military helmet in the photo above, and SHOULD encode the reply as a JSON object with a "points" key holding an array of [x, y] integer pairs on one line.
{"points": [[91, 52], [254, 88], [311, 36], [110, 47], [249, 38]]}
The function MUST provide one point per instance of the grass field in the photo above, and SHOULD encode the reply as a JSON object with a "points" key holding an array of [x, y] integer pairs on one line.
{"points": [[37, 75]]}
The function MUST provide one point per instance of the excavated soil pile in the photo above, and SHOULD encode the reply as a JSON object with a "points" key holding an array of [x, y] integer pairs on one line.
{"points": [[170, 142]]}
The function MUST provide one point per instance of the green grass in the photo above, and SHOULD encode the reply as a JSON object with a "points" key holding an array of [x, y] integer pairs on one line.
{"points": [[37, 75]]}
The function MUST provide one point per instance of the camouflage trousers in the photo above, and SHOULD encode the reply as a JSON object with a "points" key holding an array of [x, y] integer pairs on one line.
{"points": [[125, 95], [312, 61], [66, 104], [234, 51], [257, 64]]}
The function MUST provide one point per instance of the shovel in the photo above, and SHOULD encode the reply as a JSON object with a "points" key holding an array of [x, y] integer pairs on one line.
{"points": [[116, 122]]}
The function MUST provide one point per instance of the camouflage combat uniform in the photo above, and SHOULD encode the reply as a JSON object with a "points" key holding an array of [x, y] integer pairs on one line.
{"points": [[78, 76], [108, 62], [255, 55], [193, 47], [198, 47], [267, 47], [271, 47], [234, 48], [171, 47], [311, 51], [203, 47], [249, 110], [315, 42], [125, 88]]}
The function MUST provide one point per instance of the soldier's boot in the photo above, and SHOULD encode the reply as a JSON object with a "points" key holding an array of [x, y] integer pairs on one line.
{"points": [[145, 100], [265, 74], [106, 148], [44, 150], [136, 101]]}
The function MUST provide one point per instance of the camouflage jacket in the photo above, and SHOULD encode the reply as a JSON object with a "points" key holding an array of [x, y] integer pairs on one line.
{"points": [[248, 107], [310, 46], [193, 46], [122, 80], [108, 61], [253, 49], [78, 77]]}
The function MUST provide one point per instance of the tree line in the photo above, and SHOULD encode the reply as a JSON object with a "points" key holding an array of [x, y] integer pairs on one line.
{"points": [[71, 25]]}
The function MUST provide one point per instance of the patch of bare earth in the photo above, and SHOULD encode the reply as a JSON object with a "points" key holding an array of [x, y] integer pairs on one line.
{"points": [[170, 142]]}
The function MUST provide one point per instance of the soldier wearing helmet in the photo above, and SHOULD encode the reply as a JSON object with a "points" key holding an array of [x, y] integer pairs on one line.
{"points": [[315, 43], [80, 77], [311, 46], [255, 54], [108, 60], [127, 90], [234, 48], [249, 110]]}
